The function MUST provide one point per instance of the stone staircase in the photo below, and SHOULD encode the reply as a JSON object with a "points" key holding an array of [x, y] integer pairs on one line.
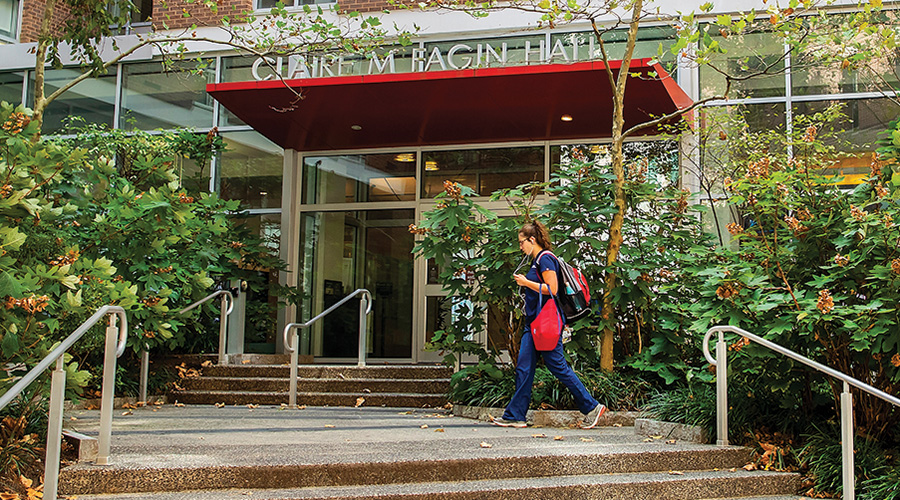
{"points": [[317, 385], [228, 453]]}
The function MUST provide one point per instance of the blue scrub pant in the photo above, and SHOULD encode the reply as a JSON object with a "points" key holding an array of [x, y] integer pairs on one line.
{"points": [[555, 361]]}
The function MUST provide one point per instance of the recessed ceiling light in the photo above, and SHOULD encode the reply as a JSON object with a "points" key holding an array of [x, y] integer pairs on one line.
{"points": [[431, 166], [355, 127], [405, 157], [566, 118], [263, 193]]}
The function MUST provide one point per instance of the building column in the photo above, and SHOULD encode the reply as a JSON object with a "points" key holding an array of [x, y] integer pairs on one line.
{"points": [[290, 238]]}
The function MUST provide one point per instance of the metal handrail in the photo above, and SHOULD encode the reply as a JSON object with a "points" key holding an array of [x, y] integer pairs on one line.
{"points": [[223, 318], [113, 350], [720, 362], [365, 307]]}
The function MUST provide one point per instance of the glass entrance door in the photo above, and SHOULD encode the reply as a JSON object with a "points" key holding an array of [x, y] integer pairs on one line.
{"points": [[346, 250]]}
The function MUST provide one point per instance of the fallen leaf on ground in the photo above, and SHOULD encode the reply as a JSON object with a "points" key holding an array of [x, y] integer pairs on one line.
{"points": [[617, 425], [329, 426], [126, 413], [359, 402], [558, 438], [410, 412], [587, 440], [367, 391], [423, 426], [648, 440], [206, 363], [439, 430], [676, 473], [179, 405], [25, 481], [245, 361], [301, 407], [73, 418], [538, 435], [750, 466], [9, 496], [733, 469], [158, 402], [671, 441], [220, 405], [656, 437], [128, 406], [486, 445], [252, 406]]}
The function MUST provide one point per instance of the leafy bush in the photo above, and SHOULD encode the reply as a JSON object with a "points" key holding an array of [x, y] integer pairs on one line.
{"points": [[815, 271], [477, 255], [490, 387]]}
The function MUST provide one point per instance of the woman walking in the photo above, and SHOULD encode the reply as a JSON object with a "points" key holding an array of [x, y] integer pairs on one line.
{"points": [[542, 279]]}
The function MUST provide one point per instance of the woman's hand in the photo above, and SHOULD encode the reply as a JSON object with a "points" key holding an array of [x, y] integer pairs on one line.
{"points": [[521, 280]]}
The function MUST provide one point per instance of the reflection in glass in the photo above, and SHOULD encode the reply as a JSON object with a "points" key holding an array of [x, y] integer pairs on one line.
{"points": [[484, 170], [156, 98], [582, 46], [732, 122], [251, 170], [93, 100], [11, 87], [351, 178], [9, 18], [855, 136], [343, 251], [261, 318], [661, 157], [746, 54]]}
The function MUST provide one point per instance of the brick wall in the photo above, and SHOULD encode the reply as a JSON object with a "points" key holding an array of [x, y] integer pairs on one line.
{"points": [[173, 14], [33, 14], [364, 5]]}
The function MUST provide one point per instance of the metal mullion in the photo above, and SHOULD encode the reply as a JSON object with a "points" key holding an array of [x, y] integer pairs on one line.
{"points": [[117, 107]]}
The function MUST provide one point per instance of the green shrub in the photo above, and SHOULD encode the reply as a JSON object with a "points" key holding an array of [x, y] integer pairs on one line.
{"points": [[823, 454]]}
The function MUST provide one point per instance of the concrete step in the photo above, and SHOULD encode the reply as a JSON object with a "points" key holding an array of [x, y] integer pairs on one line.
{"points": [[331, 371], [689, 485], [394, 400], [93, 480], [360, 386]]}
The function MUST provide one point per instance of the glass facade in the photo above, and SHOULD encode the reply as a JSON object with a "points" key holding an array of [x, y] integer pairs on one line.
{"points": [[9, 19], [251, 170], [359, 178], [483, 170], [93, 100], [156, 97], [346, 250]]}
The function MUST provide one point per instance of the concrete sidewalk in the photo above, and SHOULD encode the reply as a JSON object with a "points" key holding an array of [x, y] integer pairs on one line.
{"points": [[196, 436]]}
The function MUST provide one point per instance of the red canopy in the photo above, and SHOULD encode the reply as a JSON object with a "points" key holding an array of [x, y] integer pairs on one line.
{"points": [[517, 103]]}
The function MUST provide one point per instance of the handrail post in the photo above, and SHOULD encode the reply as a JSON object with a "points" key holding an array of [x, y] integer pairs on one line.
{"points": [[721, 391], [847, 443], [363, 328], [295, 354], [145, 371], [54, 428], [108, 392], [223, 323]]}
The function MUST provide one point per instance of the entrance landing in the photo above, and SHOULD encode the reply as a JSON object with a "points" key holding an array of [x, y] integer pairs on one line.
{"points": [[200, 452]]}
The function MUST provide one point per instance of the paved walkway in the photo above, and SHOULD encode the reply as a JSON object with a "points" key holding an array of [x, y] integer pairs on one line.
{"points": [[197, 436]]}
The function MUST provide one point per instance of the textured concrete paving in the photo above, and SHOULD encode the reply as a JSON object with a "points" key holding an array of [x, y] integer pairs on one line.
{"points": [[342, 452]]}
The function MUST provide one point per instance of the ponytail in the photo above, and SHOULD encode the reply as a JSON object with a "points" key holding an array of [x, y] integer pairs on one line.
{"points": [[539, 232]]}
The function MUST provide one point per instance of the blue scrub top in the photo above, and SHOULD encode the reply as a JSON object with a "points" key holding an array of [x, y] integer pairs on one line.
{"points": [[544, 262]]}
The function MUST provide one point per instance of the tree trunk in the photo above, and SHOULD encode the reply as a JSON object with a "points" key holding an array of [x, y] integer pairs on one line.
{"points": [[40, 60], [618, 165]]}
